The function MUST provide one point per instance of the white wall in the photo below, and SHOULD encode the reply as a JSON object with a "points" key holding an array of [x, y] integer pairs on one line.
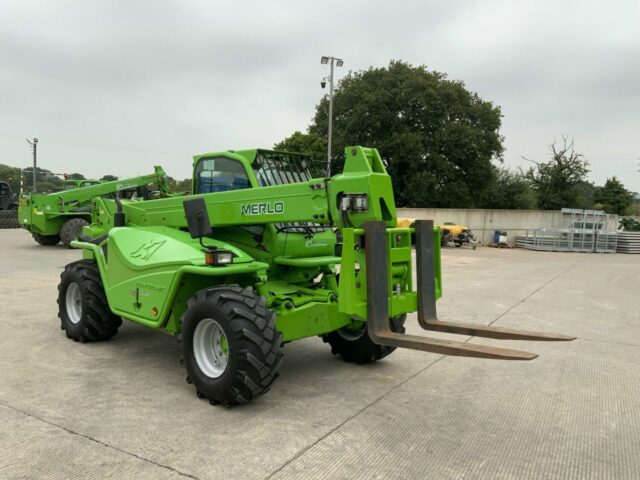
{"points": [[484, 222]]}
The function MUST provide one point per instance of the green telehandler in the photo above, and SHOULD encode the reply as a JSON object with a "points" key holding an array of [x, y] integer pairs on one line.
{"points": [[265, 252], [60, 216]]}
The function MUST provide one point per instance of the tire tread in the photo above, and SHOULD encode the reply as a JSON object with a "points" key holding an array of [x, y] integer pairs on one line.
{"points": [[98, 322], [259, 350]]}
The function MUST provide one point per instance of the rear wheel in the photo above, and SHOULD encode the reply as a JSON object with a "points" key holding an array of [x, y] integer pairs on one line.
{"points": [[355, 345], [9, 219], [82, 304], [46, 240], [231, 348], [6, 223], [71, 230]]}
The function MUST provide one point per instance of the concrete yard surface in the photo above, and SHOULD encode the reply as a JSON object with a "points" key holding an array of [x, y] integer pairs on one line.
{"points": [[121, 409]]}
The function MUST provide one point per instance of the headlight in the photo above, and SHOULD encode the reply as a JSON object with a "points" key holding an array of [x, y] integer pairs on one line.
{"points": [[218, 257]]}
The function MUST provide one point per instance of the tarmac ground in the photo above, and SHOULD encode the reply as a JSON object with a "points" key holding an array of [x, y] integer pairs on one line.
{"points": [[121, 409]]}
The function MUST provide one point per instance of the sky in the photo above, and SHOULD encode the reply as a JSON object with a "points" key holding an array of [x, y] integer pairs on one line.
{"points": [[115, 87]]}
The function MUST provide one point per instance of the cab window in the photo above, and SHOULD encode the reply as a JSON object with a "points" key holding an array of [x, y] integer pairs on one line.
{"points": [[220, 174]]}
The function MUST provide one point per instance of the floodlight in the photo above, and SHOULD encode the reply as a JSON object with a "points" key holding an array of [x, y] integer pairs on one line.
{"points": [[324, 60], [339, 62]]}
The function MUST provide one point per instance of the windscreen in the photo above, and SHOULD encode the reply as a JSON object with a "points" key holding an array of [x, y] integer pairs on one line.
{"points": [[220, 174]]}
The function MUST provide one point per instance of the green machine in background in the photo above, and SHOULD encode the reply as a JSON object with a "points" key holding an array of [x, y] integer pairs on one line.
{"points": [[265, 252], [60, 216], [70, 184]]}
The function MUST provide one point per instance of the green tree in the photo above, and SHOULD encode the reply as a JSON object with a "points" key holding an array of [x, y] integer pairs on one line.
{"points": [[436, 137], [508, 190], [11, 175], [109, 178], [560, 182], [46, 180], [614, 197], [308, 143], [75, 176], [587, 195], [180, 186]]}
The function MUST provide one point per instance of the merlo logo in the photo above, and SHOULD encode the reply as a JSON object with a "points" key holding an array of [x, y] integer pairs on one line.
{"points": [[266, 208], [147, 249]]}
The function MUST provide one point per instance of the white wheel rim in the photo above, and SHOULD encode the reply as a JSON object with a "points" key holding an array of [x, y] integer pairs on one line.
{"points": [[74, 302], [209, 343]]}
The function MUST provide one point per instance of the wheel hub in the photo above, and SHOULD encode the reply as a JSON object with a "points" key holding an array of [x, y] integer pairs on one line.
{"points": [[73, 303], [210, 348]]}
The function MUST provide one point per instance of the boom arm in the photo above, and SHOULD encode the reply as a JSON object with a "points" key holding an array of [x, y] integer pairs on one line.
{"points": [[78, 195], [361, 193]]}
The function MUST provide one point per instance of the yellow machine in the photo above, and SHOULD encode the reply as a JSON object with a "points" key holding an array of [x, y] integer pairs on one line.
{"points": [[457, 235], [450, 233]]}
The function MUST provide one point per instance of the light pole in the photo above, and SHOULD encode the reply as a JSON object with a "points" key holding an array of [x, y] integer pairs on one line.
{"points": [[34, 148], [338, 63]]}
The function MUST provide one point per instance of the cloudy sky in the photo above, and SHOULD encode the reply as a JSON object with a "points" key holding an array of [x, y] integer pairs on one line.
{"points": [[119, 86]]}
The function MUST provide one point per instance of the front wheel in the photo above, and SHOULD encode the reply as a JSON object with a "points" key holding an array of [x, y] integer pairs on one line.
{"points": [[355, 345], [231, 348], [82, 305], [46, 240]]}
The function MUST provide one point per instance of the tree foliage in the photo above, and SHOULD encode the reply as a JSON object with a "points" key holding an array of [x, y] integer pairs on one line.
{"points": [[307, 143], [11, 175], [46, 181], [508, 190], [614, 197], [180, 186], [436, 137], [109, 178], [586, 195], [558, 183]]}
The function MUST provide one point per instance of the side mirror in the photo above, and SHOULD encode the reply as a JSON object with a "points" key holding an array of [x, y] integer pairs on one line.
{"points": [[197, 217]]}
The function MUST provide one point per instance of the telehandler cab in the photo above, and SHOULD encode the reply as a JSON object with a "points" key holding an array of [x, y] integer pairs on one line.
{"points": [[266, 251]]}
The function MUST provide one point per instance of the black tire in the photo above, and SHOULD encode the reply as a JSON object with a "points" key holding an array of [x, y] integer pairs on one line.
{"points": [[95, 321], [254, 346], [46, 240], [9, 213], [357, 347], [71, 230], [6, 223]]}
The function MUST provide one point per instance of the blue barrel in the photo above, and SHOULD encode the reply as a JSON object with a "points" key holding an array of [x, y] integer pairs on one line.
{"points": [[496, 237]]}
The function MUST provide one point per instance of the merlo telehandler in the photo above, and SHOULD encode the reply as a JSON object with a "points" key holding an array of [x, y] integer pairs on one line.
{"points": [[265, 252], [60, 216]]}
